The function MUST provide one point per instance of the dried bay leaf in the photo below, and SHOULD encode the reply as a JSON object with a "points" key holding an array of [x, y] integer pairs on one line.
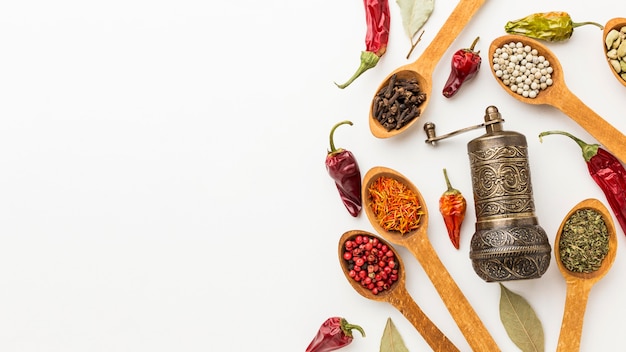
{"points": [[414, 15], [520, 321], [392, 340]]}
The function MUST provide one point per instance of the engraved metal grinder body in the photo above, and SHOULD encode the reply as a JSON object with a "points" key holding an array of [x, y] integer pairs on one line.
{"points": [[508, 243]]}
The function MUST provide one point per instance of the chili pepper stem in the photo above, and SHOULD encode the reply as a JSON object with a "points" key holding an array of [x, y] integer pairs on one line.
{"points": [[347, 328], [332, 132], [578, 24], [471, 48], [448, 184], [588, 150], [368, 60]]}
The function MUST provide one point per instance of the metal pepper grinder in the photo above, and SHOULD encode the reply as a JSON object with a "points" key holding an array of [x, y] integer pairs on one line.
{"points": [[508, 243]]}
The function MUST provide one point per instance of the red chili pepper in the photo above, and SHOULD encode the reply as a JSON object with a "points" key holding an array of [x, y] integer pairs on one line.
{"points": [[334, 333], [465, 66], [607, 171], [344, 170], [452, 206], [377, 36]]}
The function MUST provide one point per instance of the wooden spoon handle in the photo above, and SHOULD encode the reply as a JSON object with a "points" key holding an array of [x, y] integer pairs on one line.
{"points": [[459, 307], [413, 313], [455, 23], [607, 135], [573, 317]]}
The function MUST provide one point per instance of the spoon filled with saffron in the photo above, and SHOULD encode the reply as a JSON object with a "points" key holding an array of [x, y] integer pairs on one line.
{"points": [[420, 72], [412, 235], [585, 247], [559, 96], [385, 281]]}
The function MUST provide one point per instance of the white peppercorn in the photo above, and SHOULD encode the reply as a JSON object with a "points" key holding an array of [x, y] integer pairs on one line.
{"points": [[527, 73]]}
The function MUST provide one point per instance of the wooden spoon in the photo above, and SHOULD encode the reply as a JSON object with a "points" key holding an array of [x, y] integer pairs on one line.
{"points": [[579, 284], [422, 69], [418, 243], [615, 23], [398, 296], [560, 97]]}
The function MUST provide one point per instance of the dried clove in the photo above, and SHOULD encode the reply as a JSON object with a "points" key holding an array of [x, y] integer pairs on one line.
{"points": [[398, 103]]}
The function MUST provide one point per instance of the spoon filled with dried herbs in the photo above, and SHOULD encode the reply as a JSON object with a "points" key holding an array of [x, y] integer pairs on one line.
{"points": [[585, 247], [532, 74], [403, 96], [376, 272], [397, 211]]}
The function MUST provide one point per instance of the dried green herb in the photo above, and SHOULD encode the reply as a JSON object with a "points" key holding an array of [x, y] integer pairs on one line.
{"points": [[391, 340], [520, 321], [414, 15], [584, 241]]}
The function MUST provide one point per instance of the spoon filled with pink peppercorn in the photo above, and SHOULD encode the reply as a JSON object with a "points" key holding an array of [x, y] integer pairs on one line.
{"points": [[376, 272]]}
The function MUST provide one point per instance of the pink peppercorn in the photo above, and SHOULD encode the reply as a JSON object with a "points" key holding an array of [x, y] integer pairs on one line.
{"points": [[371, 263]]}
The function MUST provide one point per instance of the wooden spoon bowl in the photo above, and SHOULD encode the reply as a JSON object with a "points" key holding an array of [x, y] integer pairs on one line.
{"points": [[559, 96], [398, 296], [579, 284], [422, 69], [393, 236], [419, 245], [382, 296], [615, 23], [550, 94]]}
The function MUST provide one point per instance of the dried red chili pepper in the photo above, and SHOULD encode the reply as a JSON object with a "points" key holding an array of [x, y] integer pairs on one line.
{"points": [[465, 66], [344, 170], [376, 39], [452, 206], [608, 173], [334, 333]]}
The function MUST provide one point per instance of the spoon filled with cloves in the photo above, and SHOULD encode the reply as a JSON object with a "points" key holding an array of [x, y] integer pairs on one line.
{"points": [[386, 119]]}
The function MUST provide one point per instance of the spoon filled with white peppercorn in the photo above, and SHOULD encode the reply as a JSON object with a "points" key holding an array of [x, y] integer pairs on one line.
{"points": [[541, 82], [615, 47]]}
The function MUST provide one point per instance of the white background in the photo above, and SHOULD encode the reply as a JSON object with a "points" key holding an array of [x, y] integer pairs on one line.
{"points": [[163, 184]]}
